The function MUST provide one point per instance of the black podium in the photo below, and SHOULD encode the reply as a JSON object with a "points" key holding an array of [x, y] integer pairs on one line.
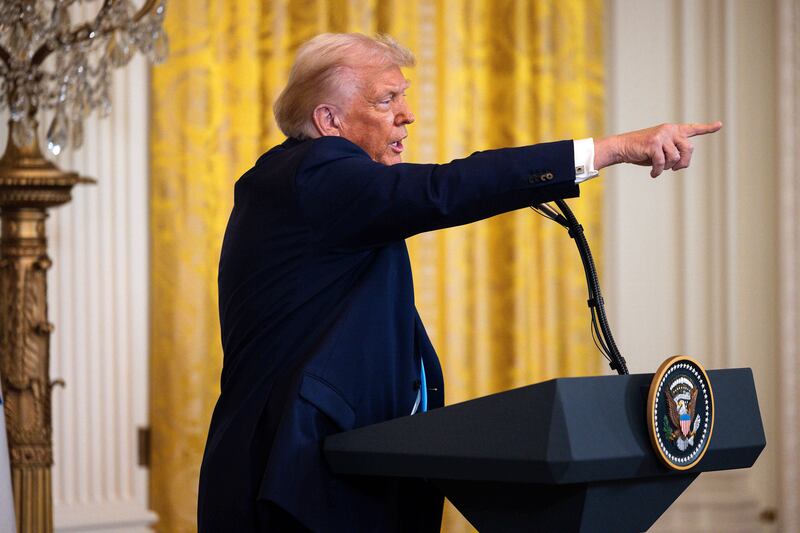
{"points": [[569, 454]]}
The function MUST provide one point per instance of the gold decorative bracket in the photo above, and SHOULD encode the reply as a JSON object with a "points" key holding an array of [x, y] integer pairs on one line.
{"points": [[29, 185]]}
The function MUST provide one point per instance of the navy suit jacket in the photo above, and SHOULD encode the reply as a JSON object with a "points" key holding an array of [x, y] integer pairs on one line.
{"points": [[319, 329]]}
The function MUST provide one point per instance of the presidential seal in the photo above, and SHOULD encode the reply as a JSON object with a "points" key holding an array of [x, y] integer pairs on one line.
{"points": [[680, 412]]}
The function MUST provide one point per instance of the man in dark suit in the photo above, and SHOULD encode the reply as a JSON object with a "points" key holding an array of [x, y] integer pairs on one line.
{"points": [[319, 328]]}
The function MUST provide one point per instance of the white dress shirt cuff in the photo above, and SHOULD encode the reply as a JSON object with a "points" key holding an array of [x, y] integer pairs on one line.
{"points": [[584, 159]]}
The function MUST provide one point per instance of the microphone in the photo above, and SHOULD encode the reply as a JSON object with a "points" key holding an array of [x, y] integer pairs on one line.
{"points": [[548, 212], [601, 332]]}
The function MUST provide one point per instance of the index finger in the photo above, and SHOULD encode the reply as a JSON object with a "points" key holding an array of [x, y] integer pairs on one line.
{"points": [[701, 129]]}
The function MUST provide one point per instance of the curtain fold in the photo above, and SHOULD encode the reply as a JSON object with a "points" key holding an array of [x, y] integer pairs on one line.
{"points": [[504, 300]]}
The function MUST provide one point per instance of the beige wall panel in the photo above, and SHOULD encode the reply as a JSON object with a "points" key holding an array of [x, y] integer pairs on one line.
{"points": [[692, 257]]}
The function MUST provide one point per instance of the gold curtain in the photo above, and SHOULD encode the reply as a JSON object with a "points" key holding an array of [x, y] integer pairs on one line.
{"points": [[503, 300]]}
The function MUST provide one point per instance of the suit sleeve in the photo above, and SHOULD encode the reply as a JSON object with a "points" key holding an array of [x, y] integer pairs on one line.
{"points": [[350, 200]]}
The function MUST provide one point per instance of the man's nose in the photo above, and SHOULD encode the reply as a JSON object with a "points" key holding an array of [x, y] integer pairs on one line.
{"points": [[405, 116]]}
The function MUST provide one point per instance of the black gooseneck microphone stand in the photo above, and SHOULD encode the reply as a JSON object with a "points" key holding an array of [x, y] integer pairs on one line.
{"points": [[601, 332]]}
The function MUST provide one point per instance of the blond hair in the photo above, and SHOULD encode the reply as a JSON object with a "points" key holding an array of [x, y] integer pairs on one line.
{"points": [[323, 68]]}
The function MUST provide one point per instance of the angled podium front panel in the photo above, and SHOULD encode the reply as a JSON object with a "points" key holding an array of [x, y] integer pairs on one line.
{"points": [[570, 454]]}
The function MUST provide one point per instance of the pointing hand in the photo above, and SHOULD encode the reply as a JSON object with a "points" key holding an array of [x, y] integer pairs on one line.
{"points": [[663, 147]]}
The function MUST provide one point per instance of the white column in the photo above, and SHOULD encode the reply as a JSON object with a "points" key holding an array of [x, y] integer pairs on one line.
{"points": [[691, 258], [789, 231]]}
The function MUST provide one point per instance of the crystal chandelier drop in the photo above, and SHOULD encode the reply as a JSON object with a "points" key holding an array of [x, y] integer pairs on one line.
{"points": [[48, 61]]}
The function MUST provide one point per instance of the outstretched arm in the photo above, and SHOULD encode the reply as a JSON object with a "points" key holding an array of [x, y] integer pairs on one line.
{"points": [[663, 147]]}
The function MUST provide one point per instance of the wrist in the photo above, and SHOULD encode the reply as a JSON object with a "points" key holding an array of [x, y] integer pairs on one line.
{"points": [[607, 152]]}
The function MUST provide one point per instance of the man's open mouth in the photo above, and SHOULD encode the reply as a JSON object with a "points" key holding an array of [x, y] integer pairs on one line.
{"points": [[397, 146]]}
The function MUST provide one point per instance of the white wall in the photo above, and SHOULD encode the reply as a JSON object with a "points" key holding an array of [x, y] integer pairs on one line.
{"points": [[98, 293], [98, 301], [691, 259]]}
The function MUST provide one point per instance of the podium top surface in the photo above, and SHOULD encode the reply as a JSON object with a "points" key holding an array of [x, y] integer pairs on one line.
{"points": [[562, 431]]}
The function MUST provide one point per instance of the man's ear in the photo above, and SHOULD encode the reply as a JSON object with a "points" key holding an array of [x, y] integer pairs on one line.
{"points": [[326, 120]]}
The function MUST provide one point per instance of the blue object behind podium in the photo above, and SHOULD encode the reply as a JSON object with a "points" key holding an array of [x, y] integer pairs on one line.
{"points": [[570, 454]]}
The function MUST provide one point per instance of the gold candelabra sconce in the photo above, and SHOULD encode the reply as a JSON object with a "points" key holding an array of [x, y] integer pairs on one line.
{"points": [[48, 62]]}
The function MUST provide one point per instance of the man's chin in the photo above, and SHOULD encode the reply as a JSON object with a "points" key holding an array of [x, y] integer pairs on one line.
{"points": [[392, 159]]}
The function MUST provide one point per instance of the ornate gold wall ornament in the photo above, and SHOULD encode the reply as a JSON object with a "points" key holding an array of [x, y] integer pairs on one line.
{"points": [[29, 185]]}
